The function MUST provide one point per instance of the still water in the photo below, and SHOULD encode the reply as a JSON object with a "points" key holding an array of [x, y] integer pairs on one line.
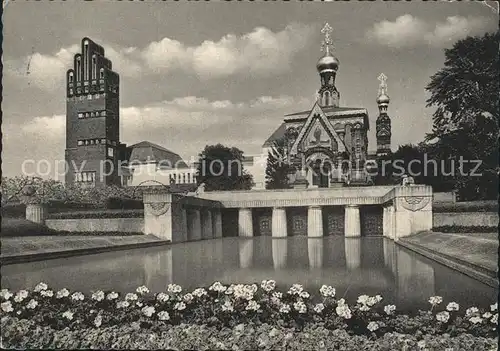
{"points": [[354, 266]]}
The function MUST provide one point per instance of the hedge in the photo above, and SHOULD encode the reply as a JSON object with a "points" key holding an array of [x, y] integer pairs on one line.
{"points": [[104, 213], [462, 229], [473, 206]]}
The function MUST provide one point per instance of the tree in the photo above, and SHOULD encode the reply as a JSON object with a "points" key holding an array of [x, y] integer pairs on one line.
{"points": [[45, 189], [221, 168], [278, 167], [466, 120]]}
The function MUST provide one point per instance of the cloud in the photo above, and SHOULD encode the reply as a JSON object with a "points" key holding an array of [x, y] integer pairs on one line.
{"points": [[261, 51], [407, 31]]}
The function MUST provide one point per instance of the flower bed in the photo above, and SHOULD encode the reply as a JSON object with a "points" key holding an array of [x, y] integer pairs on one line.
{"points": [[246, 316]]}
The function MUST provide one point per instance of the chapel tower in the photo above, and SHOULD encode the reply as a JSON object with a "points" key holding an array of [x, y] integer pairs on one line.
{"points": [[383, 124], [328, 95], [92, 119]]}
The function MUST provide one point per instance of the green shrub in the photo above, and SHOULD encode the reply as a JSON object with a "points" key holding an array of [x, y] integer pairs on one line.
{"points": [[462, 229], [104, 213], [473, 206], [124, 203]]}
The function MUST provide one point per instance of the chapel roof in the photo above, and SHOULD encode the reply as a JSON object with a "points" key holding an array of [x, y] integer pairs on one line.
{"points": [[146, 151], [331, 110], [278, 134]]}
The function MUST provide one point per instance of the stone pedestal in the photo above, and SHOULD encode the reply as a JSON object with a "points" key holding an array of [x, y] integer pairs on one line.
{"points": [[36, 213], [207, 232], [158, 213], [412, 210], [352, 221], [279, 224], [314, 222], [195, 225], [352, 253], [217, 221], [245, 222]]}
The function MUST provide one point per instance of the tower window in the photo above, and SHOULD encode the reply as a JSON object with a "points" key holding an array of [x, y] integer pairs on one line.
{"points": [[103, 113], [71, 92], [86, 89], [110, 151], [94, 66], [89, 97], [80, 142], [80, 115], [78, 69], [71, 77], [101, 73], [92, 114], [103, 141]]}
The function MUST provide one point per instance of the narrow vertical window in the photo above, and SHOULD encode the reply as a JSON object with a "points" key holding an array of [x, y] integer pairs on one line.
{"points": [[94, 67], [86, 60], [78, 69], [70, 77], [101, 73]]}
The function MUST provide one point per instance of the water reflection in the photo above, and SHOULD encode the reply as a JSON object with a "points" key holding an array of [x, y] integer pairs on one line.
{"points": [[353, 266]]}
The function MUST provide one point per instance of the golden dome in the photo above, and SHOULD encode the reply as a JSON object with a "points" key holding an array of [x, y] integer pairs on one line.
{"points": [[327, 63], [383, 99]]}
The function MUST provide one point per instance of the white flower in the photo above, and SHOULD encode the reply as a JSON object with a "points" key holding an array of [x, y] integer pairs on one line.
{"points": [[389, 309], [62, 293], [378, 298], [199, 292], [363, 299], [285, 308], [131, 297], [162, 297], [47, 293], [98, 295], [142, 290], [494, 319], [174, 288], [452, 306], [364, 308], [230, 289], [138, 304], [20, 296], [77, 296], [475, 320], [179, 306], [40, 286], [252, 306], [227, 306], [421, 344], [163, 316], [148, 311], [98, 321], [112, 296], [494, 307], [341, 302], [319, 308], [32, 304], [487, 315], [304, 295], [5, 294], [300, 307], [188, 298], [327, 291], [268, 285], [7, 306], [217, 287], [435, 300], [343, 311], [295, 289], [372, 326], [443, 316], [277, 295], [471, 311], [245, 292], [68, 315], [122, 304], [372, 300]]}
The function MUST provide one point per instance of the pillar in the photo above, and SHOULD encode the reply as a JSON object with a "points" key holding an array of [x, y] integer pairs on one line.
{"points": [[217, 221], [245, 222], [196, 225], [352, 222], [315, 252], [246, 253], [36, 213], [385, 228], [391, 229], [280, 250], [184, 225], [352, 253], [279, 224], [207, 224], [314, 222]]}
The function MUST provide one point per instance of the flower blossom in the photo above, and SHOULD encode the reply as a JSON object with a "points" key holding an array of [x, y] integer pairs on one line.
{"points": [[148, 311], [179, 306], [40, 286], [163, 316], [62, 293], [32, 304], [389, 309], [98, 321], [138, 304], [471, 311], [5, 294], [142, 290], [494, 307], [252, 306], [284, 308], [162, 297], [343, 311], [47, 293], [7, 306], [319, 308], [68, 315], [363, 299], [245, 292], [435, 300], [122, 304], [300, 307], [112, 296], [327, 291], [217, 287], [341, 302], [487, 315], [452, 306], [421, 344], [174, 288], [98, 295], [199, 292], [295, 289], [372, 326], [443, 316], [131, 297], [20, 296], [494, 319], [304, 295], [188, 298], [475, 319], [227, 306], [268, 285], [77, 296]]}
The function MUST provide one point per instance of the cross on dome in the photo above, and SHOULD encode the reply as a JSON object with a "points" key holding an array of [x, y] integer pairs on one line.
{"points": [[327, 42], [383, 84]]}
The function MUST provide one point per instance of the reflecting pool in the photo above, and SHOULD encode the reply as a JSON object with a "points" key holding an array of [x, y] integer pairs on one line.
{"points": [[354, 266]]}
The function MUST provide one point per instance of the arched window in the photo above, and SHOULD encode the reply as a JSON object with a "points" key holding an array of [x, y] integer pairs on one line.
{"points": [[70, 77], [101, 73], [94, 67], [326, 97], [86, 60], [78, 69]]}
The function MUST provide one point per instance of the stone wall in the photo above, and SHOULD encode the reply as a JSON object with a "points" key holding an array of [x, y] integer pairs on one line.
{"points": [[466, 219], [128, 225]]}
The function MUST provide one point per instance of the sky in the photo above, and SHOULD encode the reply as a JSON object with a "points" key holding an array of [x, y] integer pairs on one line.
{"points": [[198, 73]]}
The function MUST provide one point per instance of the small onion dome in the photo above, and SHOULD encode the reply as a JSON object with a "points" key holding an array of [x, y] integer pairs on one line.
{"points": [[327, 63], [383, 99]]}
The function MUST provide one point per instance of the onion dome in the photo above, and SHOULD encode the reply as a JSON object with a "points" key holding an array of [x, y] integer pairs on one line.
{"points": [[327, 63], [383, 99]]}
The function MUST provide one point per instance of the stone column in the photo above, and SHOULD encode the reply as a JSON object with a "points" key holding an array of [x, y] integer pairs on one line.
{"points": [[246, 253], [217, 220], [245, 222], [385, 222], [36, 213], [196, 225], [279, 224], [280, 250], [314, 222], [352, 253], [315, 252], [391, 232], [207, 224], [352, 222]]}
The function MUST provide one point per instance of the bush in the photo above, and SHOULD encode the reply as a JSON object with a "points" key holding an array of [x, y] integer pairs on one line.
{"points": [[14, 210], [124, 204], [473, 206], [236, 317], [462, 229], [104, 213]]}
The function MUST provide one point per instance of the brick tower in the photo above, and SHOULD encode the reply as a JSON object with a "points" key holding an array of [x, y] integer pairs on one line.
{"points": [[92, 119]]}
